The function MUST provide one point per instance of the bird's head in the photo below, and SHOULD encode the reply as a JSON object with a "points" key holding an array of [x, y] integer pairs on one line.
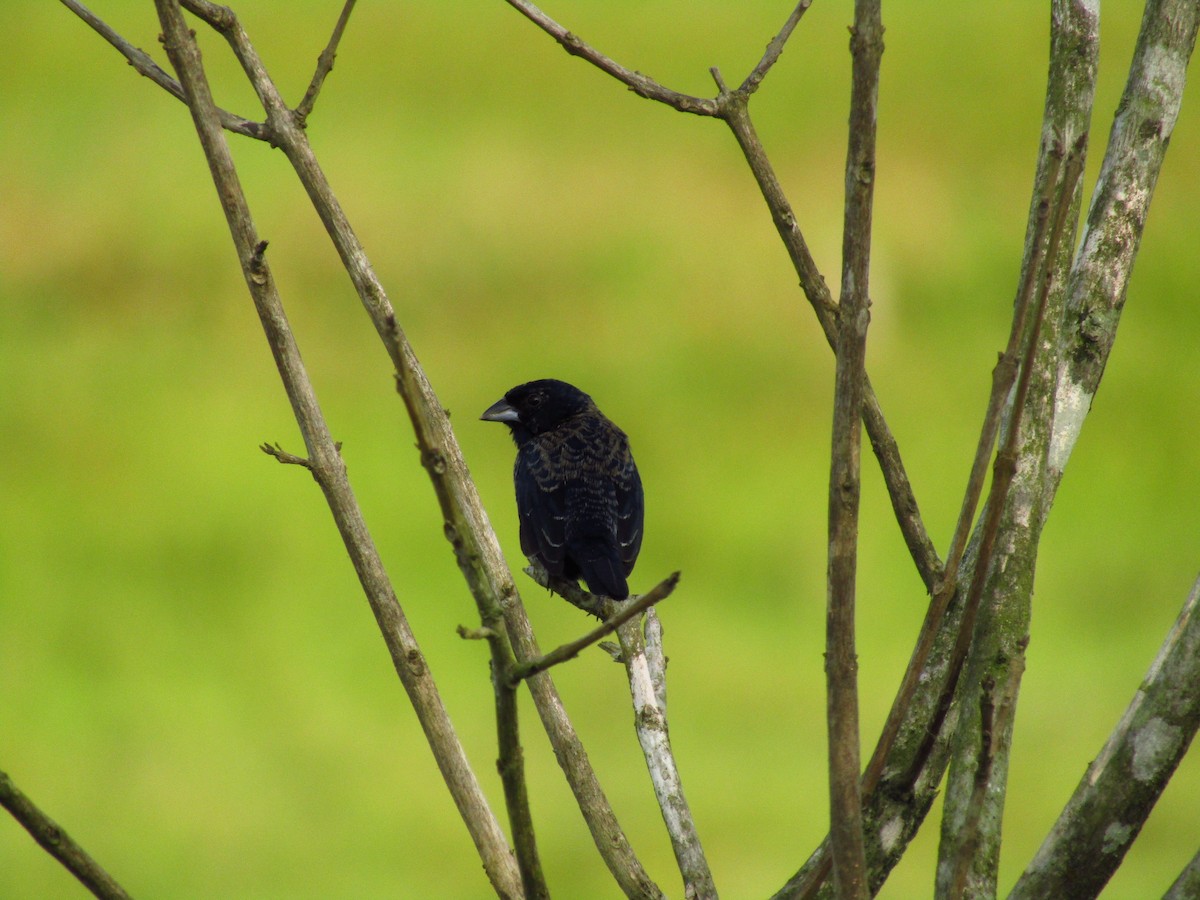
{"points": [[537, 407]]}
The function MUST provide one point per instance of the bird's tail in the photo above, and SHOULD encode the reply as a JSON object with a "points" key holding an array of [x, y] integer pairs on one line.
{"points": [[601, 567]]}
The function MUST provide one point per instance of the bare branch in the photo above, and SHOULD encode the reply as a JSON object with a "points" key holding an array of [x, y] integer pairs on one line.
{"points": [[1002, 378], [288, 459], [736, 114], [142, 62], [642, 85], [646, 668], [626, 610], [900, 783], [1121, 786], [324, 64], [58, 843], [329, 469], [774, 50]]}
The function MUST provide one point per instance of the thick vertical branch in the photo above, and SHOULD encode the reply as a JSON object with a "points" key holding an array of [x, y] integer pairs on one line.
{"points": [[841, 662], [1137, 145], [329, 470]]}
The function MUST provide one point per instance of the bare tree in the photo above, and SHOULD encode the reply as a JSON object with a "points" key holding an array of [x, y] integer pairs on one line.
{"points": [[954, 709]]}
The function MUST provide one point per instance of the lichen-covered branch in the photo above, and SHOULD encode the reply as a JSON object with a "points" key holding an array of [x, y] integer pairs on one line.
{"points": [[904, 774], [1137, 144], [646, 668], [997, 609], [1121, 786]]}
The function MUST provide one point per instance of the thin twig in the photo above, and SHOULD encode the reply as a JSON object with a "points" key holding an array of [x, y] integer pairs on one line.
{"points": [[288, 459], [642, 85], [58, 843], [774, 49], [142, 62], [628, 610], [324, 64], [328, 467]]}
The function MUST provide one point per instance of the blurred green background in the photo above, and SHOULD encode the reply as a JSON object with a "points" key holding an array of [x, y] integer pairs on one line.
{"points": [[190, 681]]}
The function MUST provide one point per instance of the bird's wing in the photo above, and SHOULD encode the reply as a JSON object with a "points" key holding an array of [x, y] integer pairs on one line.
{"points": [[541, 505], [631, 508]]}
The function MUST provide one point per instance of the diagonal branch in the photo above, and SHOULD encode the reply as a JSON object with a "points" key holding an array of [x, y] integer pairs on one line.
{"points": [[328, 467], [736, 114], [142, 62], [58, 843], [1118, 791], [642, 85], [629, 610], [774, 49], [324, 64]]}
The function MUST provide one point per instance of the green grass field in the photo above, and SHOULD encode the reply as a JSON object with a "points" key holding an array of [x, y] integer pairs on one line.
{"points": [[190, 680]]}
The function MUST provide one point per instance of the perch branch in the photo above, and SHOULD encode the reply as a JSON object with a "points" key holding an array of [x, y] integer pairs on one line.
{"points": [[324, 64], [628, 610], [645, 666], [329, 469], [58, 843]]}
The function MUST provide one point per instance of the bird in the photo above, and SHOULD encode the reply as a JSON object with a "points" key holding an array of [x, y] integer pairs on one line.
{"points": [[579, 495]]}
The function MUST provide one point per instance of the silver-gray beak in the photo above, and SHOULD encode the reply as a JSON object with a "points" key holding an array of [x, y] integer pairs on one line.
{"points": [[500, 411]]}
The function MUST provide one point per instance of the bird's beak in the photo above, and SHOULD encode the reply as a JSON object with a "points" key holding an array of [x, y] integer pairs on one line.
{"points": [[500, 411]]}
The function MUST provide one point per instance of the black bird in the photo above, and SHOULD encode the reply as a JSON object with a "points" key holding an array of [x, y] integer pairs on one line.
{"points": [[579, 495]]}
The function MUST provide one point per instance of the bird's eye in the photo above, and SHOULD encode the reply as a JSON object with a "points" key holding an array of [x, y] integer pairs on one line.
{"points": [[536, 400]]}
